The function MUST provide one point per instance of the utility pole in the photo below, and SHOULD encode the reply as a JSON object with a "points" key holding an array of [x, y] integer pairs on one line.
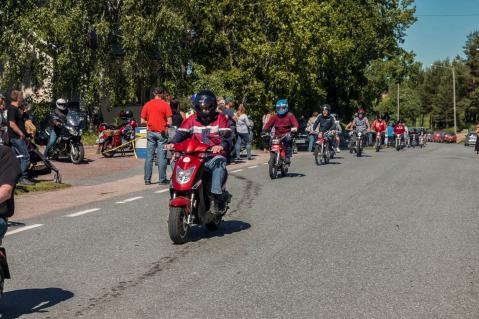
{"points": [[398, 102], [454, 97]]}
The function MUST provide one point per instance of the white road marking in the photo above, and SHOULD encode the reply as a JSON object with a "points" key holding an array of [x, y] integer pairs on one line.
{"points": [[253, 166], [129, 200], [83, 212], [22, 229], [237, 171], [162, 191], [266, 163]]}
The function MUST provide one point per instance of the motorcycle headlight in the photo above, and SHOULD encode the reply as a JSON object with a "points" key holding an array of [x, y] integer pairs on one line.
{"points": [[184, 176], [72, 131]]}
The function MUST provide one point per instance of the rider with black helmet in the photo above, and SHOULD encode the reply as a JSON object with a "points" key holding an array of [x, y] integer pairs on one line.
{"points": [[212, 128], [56, 120]]}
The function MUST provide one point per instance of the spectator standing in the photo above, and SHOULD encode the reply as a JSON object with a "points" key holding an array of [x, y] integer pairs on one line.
{"points": [[177, 116], [157, 115], [9, 174], [230, 115], [312, 134], [3, 121], [17, 133], [477, 140], [243, 128], [266, 116]]}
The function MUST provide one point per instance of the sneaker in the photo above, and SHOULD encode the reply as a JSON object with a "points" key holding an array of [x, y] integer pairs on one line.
{"points": [[25, 182], [338, 150], [164, 182], [287, 160], [147, 182]]}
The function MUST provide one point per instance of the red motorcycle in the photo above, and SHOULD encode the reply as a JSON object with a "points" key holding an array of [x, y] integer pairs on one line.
{"points": [[190, 191], [111, 137], [277, 157]]}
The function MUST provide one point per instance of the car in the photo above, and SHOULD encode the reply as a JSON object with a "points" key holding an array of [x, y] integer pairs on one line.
{"points": [[438, 137], [470, 139], [301, 141], [450, 138]]}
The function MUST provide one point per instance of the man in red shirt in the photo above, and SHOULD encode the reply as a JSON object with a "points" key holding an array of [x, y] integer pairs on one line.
{"points": [[283, 122], [156, 114]]}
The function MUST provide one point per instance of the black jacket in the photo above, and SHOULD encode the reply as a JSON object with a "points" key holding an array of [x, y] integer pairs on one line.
{"points": [[325, 123]]}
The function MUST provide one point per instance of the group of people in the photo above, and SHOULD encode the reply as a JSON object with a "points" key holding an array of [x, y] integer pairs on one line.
{"points": [[164, 118]]}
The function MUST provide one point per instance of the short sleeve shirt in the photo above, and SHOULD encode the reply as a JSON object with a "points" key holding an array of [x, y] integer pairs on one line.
{"points": [[14, 115], [9, 174], [156, 112]]}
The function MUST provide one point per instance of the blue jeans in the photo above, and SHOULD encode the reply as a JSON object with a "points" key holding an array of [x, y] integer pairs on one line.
{"points": [[243, 138], [51, 142], [217, 166], [156, 141], [3, 228], [312, 138], [20, 147]]}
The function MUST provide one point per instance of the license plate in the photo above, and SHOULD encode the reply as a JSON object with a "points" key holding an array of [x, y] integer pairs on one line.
{"points": [[301, 141]]}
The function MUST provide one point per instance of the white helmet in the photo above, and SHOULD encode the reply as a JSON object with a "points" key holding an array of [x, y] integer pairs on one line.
{"points": [[62, 104]]}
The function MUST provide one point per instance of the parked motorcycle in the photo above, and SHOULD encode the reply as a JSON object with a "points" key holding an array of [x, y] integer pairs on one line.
{"points": [[111, 137], [414, 139], [190, 192], [277, 157], [323, 152], [69, 140]]}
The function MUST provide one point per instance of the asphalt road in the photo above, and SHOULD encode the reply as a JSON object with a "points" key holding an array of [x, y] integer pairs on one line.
{"points": [[389, 235]]}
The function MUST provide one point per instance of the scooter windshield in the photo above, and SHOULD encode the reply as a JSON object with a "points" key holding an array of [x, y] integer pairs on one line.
{"points": [[73, 118]]}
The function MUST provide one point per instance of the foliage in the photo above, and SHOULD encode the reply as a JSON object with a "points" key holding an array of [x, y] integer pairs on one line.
{"points": [[107, 51]]}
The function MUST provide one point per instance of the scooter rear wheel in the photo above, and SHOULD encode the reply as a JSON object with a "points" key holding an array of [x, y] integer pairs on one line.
{"points": [[178, 229]]}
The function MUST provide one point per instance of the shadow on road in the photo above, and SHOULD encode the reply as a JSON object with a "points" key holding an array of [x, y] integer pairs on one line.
{"points": [[227, 227], [295, 175], [17, 303]]}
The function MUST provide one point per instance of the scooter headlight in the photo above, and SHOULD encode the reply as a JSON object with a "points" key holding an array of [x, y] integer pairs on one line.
{"points": [[184, 176]]}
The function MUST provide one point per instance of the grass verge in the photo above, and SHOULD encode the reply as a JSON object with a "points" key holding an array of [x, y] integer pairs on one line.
{"points": [[42, 186]]}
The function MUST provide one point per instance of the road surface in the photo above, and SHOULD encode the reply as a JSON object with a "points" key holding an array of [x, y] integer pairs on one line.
{"points": [[389, 235]]}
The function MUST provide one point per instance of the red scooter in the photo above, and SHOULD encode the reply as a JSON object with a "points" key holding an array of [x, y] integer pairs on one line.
{"points": [[190, 191]]}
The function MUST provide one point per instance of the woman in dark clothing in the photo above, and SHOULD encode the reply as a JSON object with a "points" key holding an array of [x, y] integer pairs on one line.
{"points": [[178, 116], [477, 140]]}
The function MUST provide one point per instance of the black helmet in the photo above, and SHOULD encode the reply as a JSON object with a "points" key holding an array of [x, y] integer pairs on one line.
{"points": [[326, 107], [205, 106], [128, 114]]}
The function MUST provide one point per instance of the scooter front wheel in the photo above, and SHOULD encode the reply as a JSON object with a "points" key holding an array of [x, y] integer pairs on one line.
{"points": [[178, 228]]}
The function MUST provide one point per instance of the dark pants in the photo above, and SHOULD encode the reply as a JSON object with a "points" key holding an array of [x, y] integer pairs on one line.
{"points": [[20, 148]]}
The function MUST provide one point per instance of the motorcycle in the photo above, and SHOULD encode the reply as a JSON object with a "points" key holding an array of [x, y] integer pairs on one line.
{"points": [[69, 140], [277, 157], [414, 139], [399, 142], [4, 270], [324, 151], [110, 137], [190, 192], [378, 143], [357, 145]]}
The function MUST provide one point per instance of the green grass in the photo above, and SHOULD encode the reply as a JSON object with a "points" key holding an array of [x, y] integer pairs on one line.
{"points": [[89, 138], [39, 187]]}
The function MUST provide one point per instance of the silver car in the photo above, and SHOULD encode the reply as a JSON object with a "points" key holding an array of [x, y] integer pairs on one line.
{"points": [[470, 139]]}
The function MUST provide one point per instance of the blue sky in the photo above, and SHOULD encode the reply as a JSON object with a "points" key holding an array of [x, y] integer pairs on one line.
{"points": [[435, 38]]}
